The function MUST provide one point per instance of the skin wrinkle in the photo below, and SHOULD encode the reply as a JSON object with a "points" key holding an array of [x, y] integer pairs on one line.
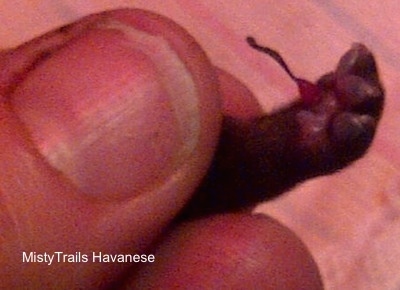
{"points": [[20, 76], [39, 50]]}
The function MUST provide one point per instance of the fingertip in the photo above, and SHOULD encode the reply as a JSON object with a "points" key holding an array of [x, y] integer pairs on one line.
{"points": [[231, 251], [237, 100]]}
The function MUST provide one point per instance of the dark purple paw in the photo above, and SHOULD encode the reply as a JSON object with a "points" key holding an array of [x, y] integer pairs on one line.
{"points": [[341, 124], [332, 125]]}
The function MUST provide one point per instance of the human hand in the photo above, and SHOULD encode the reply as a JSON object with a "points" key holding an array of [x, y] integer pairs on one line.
{"points": [[89, 167]]}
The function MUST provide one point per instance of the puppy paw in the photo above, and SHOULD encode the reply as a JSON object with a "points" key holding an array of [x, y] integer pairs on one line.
{"points": [[339, 124]]}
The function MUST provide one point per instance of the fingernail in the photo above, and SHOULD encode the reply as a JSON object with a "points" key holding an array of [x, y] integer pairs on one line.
{"points": [[115, 110]]}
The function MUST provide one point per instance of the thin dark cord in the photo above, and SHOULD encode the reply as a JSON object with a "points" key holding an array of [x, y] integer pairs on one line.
{"points": [[272, 53]]}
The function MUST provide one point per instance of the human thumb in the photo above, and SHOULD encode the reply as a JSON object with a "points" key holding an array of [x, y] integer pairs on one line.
{"points": [[124, 107]]}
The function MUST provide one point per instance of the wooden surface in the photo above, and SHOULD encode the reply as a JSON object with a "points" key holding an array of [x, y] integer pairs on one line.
{"points": [[351, 220]]}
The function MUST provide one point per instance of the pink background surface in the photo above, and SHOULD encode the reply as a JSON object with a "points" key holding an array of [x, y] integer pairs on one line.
{"points": [[350, 220]]}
